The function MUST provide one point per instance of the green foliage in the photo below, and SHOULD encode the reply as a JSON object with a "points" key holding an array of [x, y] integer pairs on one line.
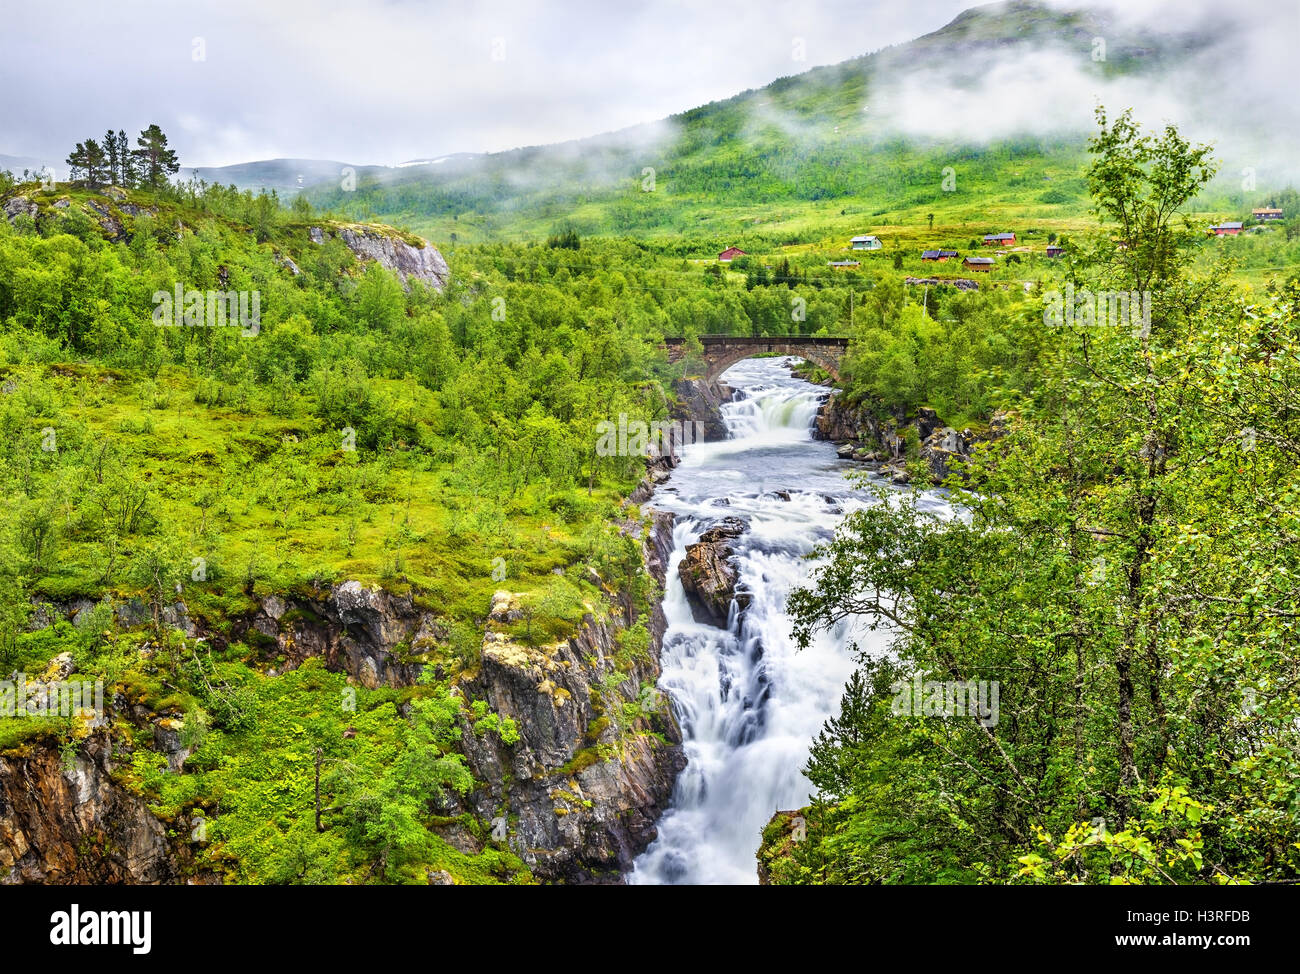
{"points": [[567, 239], [377, 430], [154, 466], [486, 721], [1124, 572], [964, 354]]}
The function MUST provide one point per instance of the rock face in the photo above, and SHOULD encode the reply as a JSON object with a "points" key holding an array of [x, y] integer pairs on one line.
{"points": [[599, 748], [73, 824], [695, 416], [593, 768], [408, 261], [108, 223], [659, 548], [370, 634], [840, 422], [20, 206], [864, 437], [586, 782], [709, 574], [943, 450], [102, 213], [129, 613], [701, 402]]}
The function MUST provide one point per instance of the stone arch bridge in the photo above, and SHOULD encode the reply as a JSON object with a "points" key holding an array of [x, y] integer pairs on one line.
{"points": [[721, 352]]}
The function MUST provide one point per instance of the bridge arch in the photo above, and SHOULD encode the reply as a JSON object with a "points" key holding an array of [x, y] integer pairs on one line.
{"points": [[721, 352]]}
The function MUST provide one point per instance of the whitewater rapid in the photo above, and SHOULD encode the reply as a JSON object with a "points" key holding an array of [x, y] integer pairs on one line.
{"points": [[748, 703]]}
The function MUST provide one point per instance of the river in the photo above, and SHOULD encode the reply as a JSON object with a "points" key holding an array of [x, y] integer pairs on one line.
{"points": [[748, 702]]}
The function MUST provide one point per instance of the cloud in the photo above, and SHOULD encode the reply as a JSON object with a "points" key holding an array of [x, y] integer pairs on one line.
{"points": [[393, 80], [1226, 85], [388, 81], [1230, 91]]}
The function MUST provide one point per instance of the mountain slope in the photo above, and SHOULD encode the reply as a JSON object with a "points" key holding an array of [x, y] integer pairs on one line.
{"points": [[871, 136]]}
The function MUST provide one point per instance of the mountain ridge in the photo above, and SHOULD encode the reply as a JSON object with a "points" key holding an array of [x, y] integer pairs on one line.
{"points": [[989, 28]]}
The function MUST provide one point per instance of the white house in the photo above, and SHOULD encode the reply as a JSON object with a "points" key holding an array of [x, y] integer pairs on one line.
{"points": [[865, 242]]}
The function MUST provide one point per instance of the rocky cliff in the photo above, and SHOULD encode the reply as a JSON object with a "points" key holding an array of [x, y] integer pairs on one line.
{"points": [[372, 635], [597, 753], [883, 444], [409, 258], [700, 401], [65, 820], [696, 414]]}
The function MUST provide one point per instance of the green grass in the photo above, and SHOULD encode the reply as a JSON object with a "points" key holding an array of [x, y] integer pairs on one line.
{"points": [[276, 500]]}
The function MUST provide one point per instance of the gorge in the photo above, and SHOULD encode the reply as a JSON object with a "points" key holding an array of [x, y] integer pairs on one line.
{"points": [[747, 702]]}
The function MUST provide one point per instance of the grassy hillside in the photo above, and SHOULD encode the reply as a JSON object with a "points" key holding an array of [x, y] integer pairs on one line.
{"points": [[805, 159], [401, 438], [442, 443]]}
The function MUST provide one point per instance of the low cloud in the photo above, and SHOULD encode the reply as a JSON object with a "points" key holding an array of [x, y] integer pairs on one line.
{"points": [[396, 80], [1223, 83], [393, 80]]}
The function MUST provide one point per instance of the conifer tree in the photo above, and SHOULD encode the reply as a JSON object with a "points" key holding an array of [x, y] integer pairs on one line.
{"points": [[110, 149], [96, 164], [127, 171], [76, 162], [157, 162]]}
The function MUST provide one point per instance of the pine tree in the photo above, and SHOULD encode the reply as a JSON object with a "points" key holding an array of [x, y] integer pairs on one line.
{"points": [[96, 164], [157, 162], [76, 162], [126, 172], [110, 148]]}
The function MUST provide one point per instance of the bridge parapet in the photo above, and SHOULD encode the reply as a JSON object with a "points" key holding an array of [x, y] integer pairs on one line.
{"points": [[723, 351]]}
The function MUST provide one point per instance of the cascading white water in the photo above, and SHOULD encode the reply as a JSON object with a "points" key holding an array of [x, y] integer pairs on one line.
{"points": [[748, 703]]}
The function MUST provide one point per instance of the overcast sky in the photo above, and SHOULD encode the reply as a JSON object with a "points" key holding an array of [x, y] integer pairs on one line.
{"points": [[383, 82], [386, 81]]}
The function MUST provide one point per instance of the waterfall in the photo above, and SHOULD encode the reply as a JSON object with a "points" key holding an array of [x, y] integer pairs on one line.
{"points": [[748, 703]]}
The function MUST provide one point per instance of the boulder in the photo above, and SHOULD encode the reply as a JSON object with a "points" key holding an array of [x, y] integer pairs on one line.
{"points": [[942, 451], [708, 574], [20, 206], [927, 421]]}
